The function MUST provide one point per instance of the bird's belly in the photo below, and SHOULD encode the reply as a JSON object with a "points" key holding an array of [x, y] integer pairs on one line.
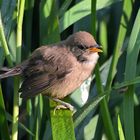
{"points": [[71, 82]]}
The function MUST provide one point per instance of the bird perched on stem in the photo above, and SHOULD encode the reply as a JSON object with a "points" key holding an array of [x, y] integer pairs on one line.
{"points": [[57, 70]]}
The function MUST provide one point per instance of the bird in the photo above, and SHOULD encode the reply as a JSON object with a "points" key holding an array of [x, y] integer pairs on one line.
{"points": [[58, 69]]}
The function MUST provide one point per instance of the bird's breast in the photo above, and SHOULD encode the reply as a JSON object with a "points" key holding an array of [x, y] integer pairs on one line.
{"points": [[72, 81], [77, 75]]}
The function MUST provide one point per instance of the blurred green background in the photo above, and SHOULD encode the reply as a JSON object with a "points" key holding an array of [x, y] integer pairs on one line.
{"points": [[108, 104]]}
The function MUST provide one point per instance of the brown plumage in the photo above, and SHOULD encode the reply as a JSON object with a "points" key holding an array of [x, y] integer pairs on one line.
{"points": [[57, 70]]}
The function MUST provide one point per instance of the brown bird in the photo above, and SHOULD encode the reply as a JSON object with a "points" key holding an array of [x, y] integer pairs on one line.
{"points": [[57, 70]]}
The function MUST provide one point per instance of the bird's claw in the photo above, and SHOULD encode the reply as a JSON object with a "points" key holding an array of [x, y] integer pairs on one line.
{"points": [[64, 106]]}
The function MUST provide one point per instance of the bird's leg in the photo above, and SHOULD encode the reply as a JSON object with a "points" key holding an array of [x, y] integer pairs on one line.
{"points": [[63, 105]]}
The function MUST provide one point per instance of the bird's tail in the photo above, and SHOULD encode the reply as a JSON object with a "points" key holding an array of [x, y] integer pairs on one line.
{"points": [[6, 72]]}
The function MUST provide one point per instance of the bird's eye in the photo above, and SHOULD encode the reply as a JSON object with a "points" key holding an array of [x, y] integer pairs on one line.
{"points": [[81, 47]]}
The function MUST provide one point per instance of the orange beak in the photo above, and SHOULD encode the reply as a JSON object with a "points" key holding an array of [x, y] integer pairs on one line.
{"points": [[95, 49]]}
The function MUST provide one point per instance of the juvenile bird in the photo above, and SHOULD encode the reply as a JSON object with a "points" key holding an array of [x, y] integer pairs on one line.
{"points": [[56, 70]]}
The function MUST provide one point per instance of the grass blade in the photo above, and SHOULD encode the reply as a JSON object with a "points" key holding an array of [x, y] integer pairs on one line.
{"points": [[78, 12], [130, 72], [20, 14], [61, 123], [3, 123], [85, 110], [4, 43], [103, 104], [9, 118], [120, 130], [64, 7], [122, 32], [127, 83]]}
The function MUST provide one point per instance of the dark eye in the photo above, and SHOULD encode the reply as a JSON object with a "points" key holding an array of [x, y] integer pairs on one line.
{"points": [[81, 47]]}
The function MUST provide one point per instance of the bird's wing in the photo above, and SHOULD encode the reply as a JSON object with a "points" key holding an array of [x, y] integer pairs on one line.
{"points": [[44, 70]]}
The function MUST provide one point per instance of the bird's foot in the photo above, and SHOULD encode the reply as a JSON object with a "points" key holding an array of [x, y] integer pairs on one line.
{"points": [[65, 106]]}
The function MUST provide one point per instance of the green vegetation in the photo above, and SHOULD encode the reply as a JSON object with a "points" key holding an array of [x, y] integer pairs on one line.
{"points": [[112, 108]]}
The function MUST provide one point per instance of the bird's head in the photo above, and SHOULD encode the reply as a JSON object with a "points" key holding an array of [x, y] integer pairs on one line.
{"points": [[83, 41], [83, 46]]}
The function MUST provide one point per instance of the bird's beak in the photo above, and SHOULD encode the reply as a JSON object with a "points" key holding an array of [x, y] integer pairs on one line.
{"points": [[95, 48]]}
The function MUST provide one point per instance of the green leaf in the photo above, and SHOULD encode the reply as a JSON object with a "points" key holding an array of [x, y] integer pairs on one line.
{"points": [[64, 7], [120, 130], [61, 123], [38, 116], [3, 121], [9, 118], [4, 43], [79, 11], [8, 23], [103, 104], [103, 37], [120, 40], [85, 110], [127, 83], [20, 14], [49, 23], [7, 12], [130, 73], [2, 57], [28, 27]]}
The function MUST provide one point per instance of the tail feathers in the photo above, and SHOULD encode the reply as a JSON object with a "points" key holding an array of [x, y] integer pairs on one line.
{"points": [[9, 72]]}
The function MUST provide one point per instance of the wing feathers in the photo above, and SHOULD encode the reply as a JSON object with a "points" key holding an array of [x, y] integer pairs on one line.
{"points": [[42, 72], [34, 86]]}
